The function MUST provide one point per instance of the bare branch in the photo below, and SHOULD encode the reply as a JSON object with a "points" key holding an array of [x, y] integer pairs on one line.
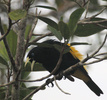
{"points": [[36, 90], [60, 88], [102, 26], [88, 57], [37, 39], [98, 13], [10, 83], [87, 8], [100, 54], [96, 61]]}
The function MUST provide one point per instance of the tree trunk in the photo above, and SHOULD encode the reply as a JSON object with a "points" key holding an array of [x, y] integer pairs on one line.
{"points": [[18, 60]]}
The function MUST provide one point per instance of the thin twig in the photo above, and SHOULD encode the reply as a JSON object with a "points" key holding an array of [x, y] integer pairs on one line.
{"points": [[33, 27], [87, 8], [98, 13], [101, 54], [102, 26], [60, 88], [35, 40], [33, 92], [96, 61], [88, 57], [77, 3], [10, 83], [84, 3], [30, 34]]}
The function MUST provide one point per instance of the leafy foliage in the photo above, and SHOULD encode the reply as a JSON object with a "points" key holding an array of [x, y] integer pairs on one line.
{"points": [[55, 32], [64, 29], [74, 18], [49, 22], [90, 29]]}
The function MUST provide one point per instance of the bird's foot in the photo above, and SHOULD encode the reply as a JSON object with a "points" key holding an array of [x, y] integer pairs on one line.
{"points": [[60, 76], [48, 81]]}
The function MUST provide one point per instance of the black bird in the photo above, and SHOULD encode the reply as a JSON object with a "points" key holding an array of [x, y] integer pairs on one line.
{"points": [[48, 57]]}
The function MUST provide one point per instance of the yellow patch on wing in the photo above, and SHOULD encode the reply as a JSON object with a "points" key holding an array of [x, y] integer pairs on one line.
{"points": [[75, 53]]}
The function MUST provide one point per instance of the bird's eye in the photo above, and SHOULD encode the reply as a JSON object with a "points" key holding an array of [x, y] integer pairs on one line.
{"points": [[32, 54]]}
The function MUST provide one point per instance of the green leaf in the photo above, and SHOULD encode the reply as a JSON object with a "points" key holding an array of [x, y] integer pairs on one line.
{"points": [[17, 14], [2, 93], [24, 92], [25, 75], [89, 29], [2, 89], [27, 30], [73, 20], [3, 51], [55, 32], [47, 7], [3, 61], [63, 27], [12, 42], [49, 22]]}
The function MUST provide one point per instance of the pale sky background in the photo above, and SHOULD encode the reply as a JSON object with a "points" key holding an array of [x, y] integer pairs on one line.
{"points": [[77, 89]]}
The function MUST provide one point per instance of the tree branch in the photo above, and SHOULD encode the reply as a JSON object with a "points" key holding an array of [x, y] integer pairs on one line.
{"points": [[7, 47], [10, 83], [37, 39], [96, 61], [91, 56]]}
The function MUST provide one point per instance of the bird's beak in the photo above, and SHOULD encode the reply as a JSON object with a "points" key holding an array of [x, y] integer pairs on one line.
{"points": [[27, 60], [32, 65]]}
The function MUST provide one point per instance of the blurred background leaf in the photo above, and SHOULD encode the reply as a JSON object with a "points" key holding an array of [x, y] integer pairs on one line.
{"points": [[17, 14], [90, 29]]}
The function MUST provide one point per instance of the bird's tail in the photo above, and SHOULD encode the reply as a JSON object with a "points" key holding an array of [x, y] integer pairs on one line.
{"points": [[94, 87]]}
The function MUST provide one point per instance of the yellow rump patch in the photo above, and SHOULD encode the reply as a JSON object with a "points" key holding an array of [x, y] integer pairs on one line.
{"points": [[75, 53]]}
